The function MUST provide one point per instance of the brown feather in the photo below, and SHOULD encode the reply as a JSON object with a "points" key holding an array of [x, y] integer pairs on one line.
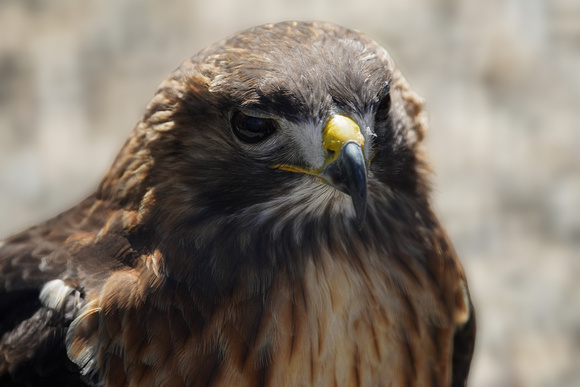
{"points": [[195, 263]]}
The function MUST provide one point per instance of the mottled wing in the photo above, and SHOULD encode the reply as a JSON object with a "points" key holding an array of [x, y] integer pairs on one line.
{"points": [[30, 330], [45, 272], [463, 345]]}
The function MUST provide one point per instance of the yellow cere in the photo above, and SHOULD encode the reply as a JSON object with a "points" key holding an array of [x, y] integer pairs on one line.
{"points": [[338, 131]]}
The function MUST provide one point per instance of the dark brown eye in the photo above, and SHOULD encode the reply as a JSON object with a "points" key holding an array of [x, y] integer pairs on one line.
{"points": [[252, 129], [383, 108]]}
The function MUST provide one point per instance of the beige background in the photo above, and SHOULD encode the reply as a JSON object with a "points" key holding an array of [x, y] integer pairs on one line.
{"points": [[502, 85]]}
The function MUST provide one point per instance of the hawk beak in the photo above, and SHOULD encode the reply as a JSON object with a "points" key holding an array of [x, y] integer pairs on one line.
{"points": [[345, 166]]}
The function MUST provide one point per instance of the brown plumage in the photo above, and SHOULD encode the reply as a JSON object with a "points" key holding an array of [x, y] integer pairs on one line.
{"points": [[266, 223]]}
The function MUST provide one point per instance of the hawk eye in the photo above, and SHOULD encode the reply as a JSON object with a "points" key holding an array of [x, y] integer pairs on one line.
{"points": [[252, 129], [382, 111]]}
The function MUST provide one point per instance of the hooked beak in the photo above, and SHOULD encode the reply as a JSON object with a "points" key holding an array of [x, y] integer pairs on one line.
{"points": [[348, 174], [345, 167]]}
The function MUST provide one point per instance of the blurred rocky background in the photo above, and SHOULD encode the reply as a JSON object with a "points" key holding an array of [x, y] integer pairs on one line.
{"points": [[502, 83]]}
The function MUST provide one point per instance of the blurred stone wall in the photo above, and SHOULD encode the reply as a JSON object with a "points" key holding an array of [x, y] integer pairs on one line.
{"points": [[502, 85]]}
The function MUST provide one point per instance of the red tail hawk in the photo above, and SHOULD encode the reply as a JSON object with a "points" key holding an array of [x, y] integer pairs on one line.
{"points": [[266, 223]]}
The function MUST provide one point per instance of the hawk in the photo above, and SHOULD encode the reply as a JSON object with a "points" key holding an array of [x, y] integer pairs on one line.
{"points": [[266, 223]]}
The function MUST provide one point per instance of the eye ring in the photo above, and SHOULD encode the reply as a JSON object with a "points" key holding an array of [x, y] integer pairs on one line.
{"points": [[251, 129]]}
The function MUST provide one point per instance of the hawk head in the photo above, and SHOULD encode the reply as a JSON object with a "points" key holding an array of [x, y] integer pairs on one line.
{"points": [[276, 141]]}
